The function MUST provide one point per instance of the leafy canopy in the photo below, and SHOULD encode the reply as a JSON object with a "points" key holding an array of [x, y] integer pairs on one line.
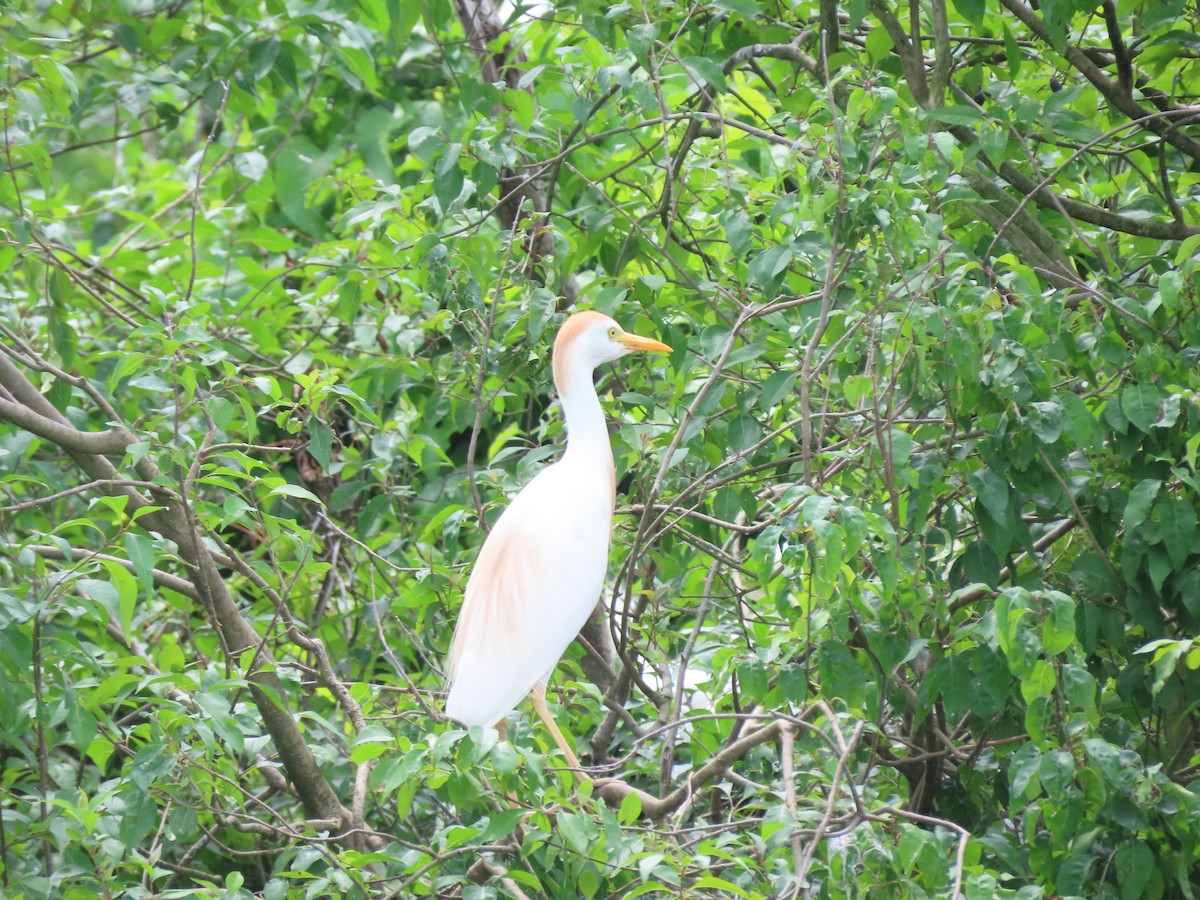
{"points": [[904, 592]]}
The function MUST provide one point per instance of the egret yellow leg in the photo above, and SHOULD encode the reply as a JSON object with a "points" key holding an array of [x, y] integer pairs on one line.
{"points": [[538, 696]]}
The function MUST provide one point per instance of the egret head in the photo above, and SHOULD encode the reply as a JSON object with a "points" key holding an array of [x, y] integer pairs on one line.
{"points": [[590, 338]]}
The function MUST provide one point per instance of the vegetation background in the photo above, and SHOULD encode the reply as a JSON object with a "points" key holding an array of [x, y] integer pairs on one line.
{"points": [[904, 597]]}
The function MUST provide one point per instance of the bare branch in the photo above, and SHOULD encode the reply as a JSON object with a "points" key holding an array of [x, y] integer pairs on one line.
{"points": [[65, 436]]}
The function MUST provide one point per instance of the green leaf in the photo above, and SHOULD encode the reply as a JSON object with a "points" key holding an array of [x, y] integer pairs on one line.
{"points": [[1046, 421], [127, 594], [504, 757], [1141, 403], [793, 683], [630, 810], [1141, 500], [744, 432], [1079, 687], [448, 179], [641, 38], [1178, 521], [993, 141], [776, 386], [706, 71], [360, 67], [726, 888], [1059, 631], [1012, 51], [501, 824], [878, 43], [1056, 769], [955, 115], [320, 442], [752, 678], [294, 490], [576, 830], [1038, 682], [140, 551], [979, 565], [1023, 771], [993, 492], [767, 266], [971, 10], [1134, 863]]}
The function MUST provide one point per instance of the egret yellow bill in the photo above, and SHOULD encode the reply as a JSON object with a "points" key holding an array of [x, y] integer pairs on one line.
{"points": [[540, 571]]}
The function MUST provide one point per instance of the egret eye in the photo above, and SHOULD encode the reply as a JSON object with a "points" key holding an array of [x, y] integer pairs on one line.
{"points": [[612, 332]]}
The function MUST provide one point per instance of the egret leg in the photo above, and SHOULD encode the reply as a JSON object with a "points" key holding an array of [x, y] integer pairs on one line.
{"points": [[538, 696], [502, 728]]}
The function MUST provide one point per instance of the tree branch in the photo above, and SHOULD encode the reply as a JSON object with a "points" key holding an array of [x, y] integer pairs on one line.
{"points": [[1122, 100], [28, 405], [613, 791], [65, 436], [911, 59]]}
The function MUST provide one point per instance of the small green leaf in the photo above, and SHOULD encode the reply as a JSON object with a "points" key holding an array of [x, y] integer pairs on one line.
{"points": [[993, 141], [752, 679], [448, 179], [743, 433], [1012, 51], [776, 386], [575, 829], [971, 10], [878, 43], [1055, 770], [979, 565], [1141, 499], [631, 809], [1134, 863], [1140, 403], [1059, 631], [1079, 687], [704, 69], [140, 551], [320, 442], [1038, 682], [294, 490], [1023, 771], [793, 683], [1178, 521], [127, 593], [1046, 421], [765, 268], [100, 750], [956, 115], [641, 38], [501, 824], [503, 757], [993, 492]]}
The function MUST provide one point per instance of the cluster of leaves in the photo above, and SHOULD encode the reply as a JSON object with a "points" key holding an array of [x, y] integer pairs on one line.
{"points": [[905, 591]]}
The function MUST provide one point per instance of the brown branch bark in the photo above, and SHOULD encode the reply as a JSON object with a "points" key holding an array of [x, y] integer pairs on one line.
{"points": [[161, 578], [1118, 98], [315, 792], [613, 791], [912, 61], [482, 23], [941, 52]]}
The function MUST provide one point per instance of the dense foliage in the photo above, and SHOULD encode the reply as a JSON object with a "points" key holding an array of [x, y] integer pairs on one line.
{"points": [[904, 597]]}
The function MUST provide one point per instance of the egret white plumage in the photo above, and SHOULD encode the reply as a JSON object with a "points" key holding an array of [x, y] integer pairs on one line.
{"points": [[540, 571]]}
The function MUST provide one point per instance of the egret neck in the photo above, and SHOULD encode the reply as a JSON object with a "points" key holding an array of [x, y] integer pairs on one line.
{"points": [[588, 446]]}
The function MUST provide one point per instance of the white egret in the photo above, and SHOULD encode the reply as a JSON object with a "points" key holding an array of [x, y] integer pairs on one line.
{"points": [[540, 571]]}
